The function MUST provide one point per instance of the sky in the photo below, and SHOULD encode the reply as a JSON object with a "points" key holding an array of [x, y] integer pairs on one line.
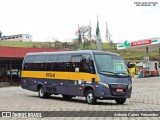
{"points": [[49, 20]]}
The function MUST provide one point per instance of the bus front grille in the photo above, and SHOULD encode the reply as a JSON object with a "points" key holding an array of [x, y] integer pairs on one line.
{"points": [[118, 89]]}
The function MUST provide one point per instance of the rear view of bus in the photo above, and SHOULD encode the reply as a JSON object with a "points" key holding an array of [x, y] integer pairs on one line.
{"points": [[87, 73]]}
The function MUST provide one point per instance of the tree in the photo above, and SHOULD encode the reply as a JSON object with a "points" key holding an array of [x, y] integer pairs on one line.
{"points": [[112, 45], [57, 45], [84, 31], [87, 43]]}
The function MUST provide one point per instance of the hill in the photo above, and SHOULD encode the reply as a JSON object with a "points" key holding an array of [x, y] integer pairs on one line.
{"points": [[128, 55]]}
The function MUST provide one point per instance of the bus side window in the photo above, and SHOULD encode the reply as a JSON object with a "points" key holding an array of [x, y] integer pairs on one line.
{"points": [[87, 65], [41, 67], [91, 63], [29, 66], [29, 62], [36, 66], [62, 66], [63, 63], [48, 66], [50, 63], [75, 63], [25, 66]]}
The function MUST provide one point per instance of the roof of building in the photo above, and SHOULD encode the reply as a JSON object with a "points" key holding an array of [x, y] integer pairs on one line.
{"points": [[19, 52], [16, 35]]}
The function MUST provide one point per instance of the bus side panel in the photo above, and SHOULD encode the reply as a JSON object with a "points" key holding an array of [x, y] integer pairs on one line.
{"points": [[29, 84], [62, 86], [50, 85], [74, 88], [77, 79]]}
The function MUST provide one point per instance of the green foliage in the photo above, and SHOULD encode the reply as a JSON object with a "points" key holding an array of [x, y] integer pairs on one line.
{"points": [[126, 54], [16, 44]]}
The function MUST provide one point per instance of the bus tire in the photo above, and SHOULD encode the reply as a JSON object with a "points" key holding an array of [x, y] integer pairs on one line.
{"points": [[120, 100], [42, 94], [67, 97], [90, 97]]}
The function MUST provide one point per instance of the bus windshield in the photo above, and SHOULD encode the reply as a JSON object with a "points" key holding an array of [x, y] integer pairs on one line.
{"points": [[110, 65]]}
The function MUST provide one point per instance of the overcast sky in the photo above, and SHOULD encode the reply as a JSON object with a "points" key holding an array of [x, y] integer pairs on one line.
{"points": [[49, 19]]}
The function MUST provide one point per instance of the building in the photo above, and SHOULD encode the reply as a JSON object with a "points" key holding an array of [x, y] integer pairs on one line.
{"points": [[11, 59], [19, 37]]}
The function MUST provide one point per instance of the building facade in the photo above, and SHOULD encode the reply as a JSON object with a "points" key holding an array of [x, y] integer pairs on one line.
{"points": [[19, 37]]}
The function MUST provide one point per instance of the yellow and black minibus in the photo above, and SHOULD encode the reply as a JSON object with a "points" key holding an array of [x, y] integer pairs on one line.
{"points": [[88, 73]]}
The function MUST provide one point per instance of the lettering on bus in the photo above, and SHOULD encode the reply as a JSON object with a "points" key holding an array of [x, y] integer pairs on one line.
{"points": [[50, 74]]}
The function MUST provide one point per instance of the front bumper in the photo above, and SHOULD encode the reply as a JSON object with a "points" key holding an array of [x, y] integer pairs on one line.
{"points": [[110, 91]]}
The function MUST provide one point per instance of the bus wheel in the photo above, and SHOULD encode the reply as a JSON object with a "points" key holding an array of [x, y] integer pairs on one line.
{"points": [[42, 94], [120, 100], [90, 97], [67, 97]]}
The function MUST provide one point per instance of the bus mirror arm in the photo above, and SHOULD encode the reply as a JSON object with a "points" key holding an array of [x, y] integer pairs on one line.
{"points": [[93, 80]]}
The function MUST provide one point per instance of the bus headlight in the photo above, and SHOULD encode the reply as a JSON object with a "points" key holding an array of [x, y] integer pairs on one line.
{"points": [[104, 84]]}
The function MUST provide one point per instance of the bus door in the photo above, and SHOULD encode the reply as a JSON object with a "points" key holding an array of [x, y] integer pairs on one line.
{"points": [[73, 87], [81, 71], [87, 68]]}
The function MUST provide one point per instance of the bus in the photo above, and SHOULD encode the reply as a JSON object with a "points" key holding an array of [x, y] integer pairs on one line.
{"points": [[88, 73]]}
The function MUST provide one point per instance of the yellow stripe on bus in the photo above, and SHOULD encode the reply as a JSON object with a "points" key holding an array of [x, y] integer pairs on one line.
{"points": [[60, 75]]}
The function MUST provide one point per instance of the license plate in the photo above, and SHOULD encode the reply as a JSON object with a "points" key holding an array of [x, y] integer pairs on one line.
{"points": [[119, 90]]}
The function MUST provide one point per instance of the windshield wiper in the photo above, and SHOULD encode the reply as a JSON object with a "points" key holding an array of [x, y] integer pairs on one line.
{"points": [[113, 73], [108, 73], [124, 74]]}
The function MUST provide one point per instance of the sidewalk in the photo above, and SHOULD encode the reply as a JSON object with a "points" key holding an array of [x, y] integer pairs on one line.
{"points": [[8, 84]]}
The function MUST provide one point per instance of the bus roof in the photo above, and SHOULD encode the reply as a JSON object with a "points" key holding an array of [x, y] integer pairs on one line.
{"points": [[74, 52]]}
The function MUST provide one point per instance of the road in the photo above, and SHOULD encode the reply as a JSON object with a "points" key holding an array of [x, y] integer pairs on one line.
{"points": [[145, 97]]}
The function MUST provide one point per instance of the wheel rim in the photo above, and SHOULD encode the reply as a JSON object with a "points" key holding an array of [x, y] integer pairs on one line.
{"points": [[89, 97], [41, 93]]}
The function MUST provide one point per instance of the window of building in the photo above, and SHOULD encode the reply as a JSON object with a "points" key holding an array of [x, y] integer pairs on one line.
{"points": [[13, 37], [27, 36]]}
